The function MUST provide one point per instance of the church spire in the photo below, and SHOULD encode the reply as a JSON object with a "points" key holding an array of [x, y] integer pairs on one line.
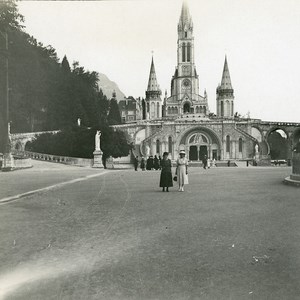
{"points": [[152, 82], [185, 24], [226, 81], [225, 97], [153, 100]]}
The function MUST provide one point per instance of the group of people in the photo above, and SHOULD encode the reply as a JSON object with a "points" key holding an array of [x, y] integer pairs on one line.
{"points": [[152, 163], [165, 165], [181, 173]]}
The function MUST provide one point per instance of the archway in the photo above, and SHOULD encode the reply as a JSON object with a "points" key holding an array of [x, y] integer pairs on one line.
{"points": [[200, 136], [18, 146], [186, 107], [278, 144], [198, 144]]}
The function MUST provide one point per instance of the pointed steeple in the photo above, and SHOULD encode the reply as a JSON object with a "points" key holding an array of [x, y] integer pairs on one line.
{"points": [[185, 21], [185, 14], [226, 81], [153, 100], [225, 97], [152, 82]]}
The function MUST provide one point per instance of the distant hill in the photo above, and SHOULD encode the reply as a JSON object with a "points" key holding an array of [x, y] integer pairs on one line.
{"points": [[107, 86]]}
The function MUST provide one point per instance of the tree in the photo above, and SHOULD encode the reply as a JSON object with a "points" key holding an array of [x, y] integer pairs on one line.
{"points": [[9, 16], [80, 142], [65, 65], [114, 143], [114, 116]]}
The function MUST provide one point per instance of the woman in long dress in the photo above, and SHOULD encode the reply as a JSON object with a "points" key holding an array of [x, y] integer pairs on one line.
{"points": [[182, 171], [166, 179]]}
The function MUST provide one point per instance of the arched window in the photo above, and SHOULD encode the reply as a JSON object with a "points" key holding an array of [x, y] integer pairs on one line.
{"points": [[183, 52], [189, 52], [186, 107], [227, 143], [227, 108], [240, 145], [148, 107], [204, 110], [152, 113], [170, 144], [232, 110], [222, 109], [176, 110], [169, 110], [158, 108], [157, 146]]}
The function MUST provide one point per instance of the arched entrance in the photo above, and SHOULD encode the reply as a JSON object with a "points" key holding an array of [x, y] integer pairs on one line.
{"points": [[198, 145], [199, 141]]}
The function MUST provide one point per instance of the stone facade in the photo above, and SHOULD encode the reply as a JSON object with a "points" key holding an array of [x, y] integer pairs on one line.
{"points": [[184, 121]]}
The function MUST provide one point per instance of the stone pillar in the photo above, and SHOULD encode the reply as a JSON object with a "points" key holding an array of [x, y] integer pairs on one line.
{"points": [[8, 162], [294, 178]]}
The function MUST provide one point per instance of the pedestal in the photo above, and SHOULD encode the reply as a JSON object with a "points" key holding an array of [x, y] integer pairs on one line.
{"points": [[8, 162], [98, 159], [294, 178]]}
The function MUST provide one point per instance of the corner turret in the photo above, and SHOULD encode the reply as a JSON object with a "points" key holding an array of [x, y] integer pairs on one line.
{"points": [[153, 100], [225, 97]]}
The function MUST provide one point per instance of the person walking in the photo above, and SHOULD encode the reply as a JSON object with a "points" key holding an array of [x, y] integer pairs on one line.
{"points": [[204, 161], [136, 163], [155, 163], [182, 170], [166, 180], [143, 163]]}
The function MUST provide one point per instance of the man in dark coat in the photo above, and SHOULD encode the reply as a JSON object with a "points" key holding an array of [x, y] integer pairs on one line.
{"points": [[136, 162], [204, 161], [156, 163]]}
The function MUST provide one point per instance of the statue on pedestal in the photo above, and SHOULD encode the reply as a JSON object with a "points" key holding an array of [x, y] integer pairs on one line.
{"points": [[97, 163], [97, 140]]}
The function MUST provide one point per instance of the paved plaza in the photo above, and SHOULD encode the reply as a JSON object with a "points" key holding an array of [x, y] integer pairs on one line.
{"points": [[112, 234]]}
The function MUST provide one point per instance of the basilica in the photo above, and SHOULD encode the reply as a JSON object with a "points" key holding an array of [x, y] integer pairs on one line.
{"points": [[183, 120]]}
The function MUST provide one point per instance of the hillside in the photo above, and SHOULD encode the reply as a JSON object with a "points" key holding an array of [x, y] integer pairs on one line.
{"points": [[107, 86]]}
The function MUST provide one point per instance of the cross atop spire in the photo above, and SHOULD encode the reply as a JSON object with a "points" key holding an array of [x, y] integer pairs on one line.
{"points": [[226, 81]]}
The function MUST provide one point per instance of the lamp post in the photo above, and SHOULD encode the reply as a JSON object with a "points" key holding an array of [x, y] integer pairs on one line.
{"points": [[8, 161]]}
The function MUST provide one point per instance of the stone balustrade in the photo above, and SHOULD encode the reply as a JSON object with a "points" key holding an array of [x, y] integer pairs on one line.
{"points": [[75, 161]]}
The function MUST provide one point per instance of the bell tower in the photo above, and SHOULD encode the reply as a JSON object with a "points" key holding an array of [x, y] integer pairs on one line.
{"points": [[185, 96]]}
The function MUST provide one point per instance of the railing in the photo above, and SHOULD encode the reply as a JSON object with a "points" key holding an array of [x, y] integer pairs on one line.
{"points": [[75, 161], [247, 134], [143, 143]]}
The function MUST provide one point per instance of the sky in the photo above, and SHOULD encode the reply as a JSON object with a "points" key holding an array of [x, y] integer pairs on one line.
{"points": [[117, 38]]}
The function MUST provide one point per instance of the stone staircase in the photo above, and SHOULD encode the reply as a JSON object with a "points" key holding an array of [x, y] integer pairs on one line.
{"points": [[247, 135]]}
